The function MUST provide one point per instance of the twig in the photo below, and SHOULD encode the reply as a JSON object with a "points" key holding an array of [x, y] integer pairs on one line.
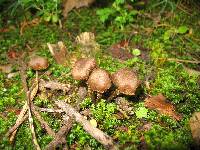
{"points": [[30, 119], [94, 132], [43, 123], [17, 124], [32, 91], [67, 126], [53, 85], [63, 130], [180, 60], [50, 110], [58, 51]]}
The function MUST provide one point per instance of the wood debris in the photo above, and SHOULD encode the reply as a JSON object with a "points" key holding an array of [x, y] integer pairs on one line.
{"points": [[159, 104], [54, 85], [195, 128], [59, 52], [87, 43], [100, 136]]}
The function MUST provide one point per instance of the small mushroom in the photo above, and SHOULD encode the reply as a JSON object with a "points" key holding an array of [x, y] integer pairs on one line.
{"points": [[126, 82], [38, 63], [99, 81], [82, 68]]}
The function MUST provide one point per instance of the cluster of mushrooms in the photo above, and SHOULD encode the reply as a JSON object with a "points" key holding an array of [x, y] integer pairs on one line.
{"points": [[99, 80]]}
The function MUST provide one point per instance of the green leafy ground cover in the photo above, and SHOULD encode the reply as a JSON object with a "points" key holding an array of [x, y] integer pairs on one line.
{"points": [[172, 40]]}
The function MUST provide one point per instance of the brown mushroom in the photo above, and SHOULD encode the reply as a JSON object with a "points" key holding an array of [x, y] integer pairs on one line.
{"points": [[82, 68], [38, 63], [126, 82], [99, 81]]}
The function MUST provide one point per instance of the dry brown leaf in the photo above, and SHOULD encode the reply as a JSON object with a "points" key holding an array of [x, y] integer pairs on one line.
{"points": [[119, 50], [68, 5], [195, 127], [12, 54], [26, 24], [160, 104]]}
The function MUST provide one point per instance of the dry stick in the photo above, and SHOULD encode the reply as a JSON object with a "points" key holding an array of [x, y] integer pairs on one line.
{"points": [[54, 85], [43, 123], [181, 60], [100, 136], [66, 127], [63, 130], [17, 124], [50, 110], [24, 109], [30, 119], [29, 96]]}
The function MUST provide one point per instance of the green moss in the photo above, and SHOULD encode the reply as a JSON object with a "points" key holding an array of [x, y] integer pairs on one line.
{"points": [[162, 138], [177, 85], [82, 138], [104, 114]]}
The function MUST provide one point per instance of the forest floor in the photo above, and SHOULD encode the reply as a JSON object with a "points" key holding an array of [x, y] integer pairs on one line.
{"points": [[164, 51]]}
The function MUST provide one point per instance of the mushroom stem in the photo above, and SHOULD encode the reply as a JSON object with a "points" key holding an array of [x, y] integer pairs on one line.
{"points": [[114, 94], [90, 94], [99, 96]]}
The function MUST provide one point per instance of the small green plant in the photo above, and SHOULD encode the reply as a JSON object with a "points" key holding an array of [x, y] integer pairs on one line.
{"points": [[163, 138], [104, 114], [82, 138], [118, 13], [86, 103], [141, 112], [49, 10]]}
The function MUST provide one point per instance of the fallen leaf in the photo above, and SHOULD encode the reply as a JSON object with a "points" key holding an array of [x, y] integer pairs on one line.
{"points": [[12, 54], [7, 29], [68, 5], [160, 104], [6, 68], [26, 24], [119, 50], [195, 127]]}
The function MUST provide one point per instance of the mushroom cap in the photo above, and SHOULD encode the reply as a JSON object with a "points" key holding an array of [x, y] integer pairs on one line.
{"points": [[82, 68], [38, 63], [99, 80], [126, 81]]}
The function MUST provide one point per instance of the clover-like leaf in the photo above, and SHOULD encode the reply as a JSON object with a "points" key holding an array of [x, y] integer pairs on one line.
{"points": [[136, 52], [141, 112], [183, 29]]}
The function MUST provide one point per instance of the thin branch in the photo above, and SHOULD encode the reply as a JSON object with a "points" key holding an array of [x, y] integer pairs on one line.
{"points": [[63, 130], [180, 60], [50, 110], [99, 135], [30, 119]]}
